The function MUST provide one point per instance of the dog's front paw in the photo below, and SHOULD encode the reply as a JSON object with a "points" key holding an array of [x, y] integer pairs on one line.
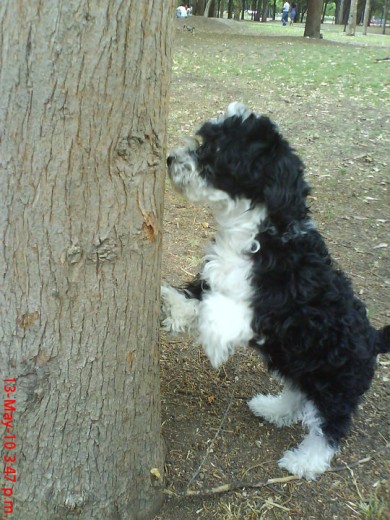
{"points": [[224, 325], [218, 354], [178, 313]]}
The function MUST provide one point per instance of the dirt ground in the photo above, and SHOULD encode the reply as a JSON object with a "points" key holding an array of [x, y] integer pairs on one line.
{"points": [[211, 437]]}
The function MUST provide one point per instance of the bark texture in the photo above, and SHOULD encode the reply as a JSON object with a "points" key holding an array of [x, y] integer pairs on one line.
{"points": [[84, 92], [351, 28], [313, 19]]}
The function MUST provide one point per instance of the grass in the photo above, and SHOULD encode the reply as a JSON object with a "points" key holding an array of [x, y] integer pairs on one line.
{"points": [[330, 32], [351, 71], [373, 509]]}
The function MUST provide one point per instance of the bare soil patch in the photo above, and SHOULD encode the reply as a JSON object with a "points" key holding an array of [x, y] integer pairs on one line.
{"points": [[211, 436]]}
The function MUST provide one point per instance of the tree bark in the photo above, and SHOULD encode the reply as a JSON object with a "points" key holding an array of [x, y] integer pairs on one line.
{"points": [[339, 16], [198, 7], [367, 9], [264, 11], [221, 4], [84, 89], [325, 6], [207, 8], [385, 13], [313, 19], [351, 28], [237, 10], [230, 9]]}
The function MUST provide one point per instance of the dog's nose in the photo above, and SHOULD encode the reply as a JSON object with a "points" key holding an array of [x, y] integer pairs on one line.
{"points": [[170, 160]]}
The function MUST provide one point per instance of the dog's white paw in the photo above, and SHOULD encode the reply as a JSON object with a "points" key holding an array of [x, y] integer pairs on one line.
{"points": [[310, 459], [267, 406], [178, 313], [224, 325], [282, 410], [218, 353]]}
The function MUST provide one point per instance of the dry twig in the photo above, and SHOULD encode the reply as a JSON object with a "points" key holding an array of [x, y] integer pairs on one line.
{"points": [[232, 486]]}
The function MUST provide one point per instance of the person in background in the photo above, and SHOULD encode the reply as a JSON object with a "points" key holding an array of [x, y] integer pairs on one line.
{"points": [[293, 13], [181, 11], [285, 11]]}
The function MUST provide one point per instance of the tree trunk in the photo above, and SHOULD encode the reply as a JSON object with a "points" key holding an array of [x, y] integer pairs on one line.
{"points": [[313, 19], [325, 6], [339, 17], [207, 8], [367, 9], [351, 28], [264, 12], [230, 9], [385, 13], [237, 10], [198, 7], [221, 4], [83, 88]]}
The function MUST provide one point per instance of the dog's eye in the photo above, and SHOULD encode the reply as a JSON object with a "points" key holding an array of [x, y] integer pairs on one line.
{"points": [[208, 147], [203, 149]]}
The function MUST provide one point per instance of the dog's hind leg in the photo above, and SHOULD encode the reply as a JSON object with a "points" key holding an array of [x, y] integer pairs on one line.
{"points": [[313, 456], [283, 409]]}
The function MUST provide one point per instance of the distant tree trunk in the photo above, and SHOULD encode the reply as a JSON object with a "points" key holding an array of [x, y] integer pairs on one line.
{"points": [[207, 8], [256, 8], [237, 10], [351, 27], [367, 10], [313, 19], [264, 12], [83, 116], [385, 13], [198, 7], [339, 16], [274, 12], [213, 9], [324, 11], [230, 9]]}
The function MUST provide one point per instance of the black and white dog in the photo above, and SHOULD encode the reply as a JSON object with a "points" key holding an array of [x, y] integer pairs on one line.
{"points": [[268, 281]]}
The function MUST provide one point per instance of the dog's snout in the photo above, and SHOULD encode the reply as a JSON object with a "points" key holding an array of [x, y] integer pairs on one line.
{"points": [[170, 160]]}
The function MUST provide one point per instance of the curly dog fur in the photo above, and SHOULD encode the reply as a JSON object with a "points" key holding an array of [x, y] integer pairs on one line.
{"points": [[268, 281]]}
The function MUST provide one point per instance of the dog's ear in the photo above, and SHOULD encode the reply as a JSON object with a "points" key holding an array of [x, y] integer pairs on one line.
{"points": [[285, 189], [279, 173]]}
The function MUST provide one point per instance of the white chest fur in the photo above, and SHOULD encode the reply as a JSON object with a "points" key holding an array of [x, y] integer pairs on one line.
{"points": [[225, 313], [228, 261]]}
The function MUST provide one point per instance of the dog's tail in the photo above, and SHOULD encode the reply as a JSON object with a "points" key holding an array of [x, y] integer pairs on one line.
{"points": [[383, 340]]}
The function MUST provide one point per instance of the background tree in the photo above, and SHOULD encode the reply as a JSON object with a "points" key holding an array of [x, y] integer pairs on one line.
{"points": [[198, 7], [338, 19], [221, 8], [313, 19], [237, 9], [264, 10], [207, 8], [351, 28], [366, 19], [84, 89], [385, 14], [230, 9]]}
